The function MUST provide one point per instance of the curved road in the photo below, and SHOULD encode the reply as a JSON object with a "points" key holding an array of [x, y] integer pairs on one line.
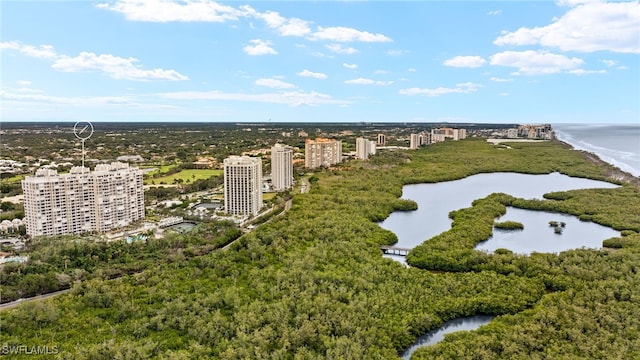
{"points": [[13, 304]]}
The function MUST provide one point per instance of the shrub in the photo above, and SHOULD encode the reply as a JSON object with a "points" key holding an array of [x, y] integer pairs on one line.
{"points": [[509, 225]]}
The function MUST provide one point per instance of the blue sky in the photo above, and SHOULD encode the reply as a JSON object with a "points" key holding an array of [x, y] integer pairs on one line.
{"points": [[569, 61]]}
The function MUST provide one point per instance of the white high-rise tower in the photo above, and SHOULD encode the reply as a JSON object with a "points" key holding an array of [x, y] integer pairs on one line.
{"points": [[81, 201], [364, 148], [242, 185], [281, 167]]}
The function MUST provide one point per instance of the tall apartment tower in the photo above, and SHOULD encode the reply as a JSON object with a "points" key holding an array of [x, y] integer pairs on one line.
{"points": [[416, 141], [108, 198], [242, 185], [441, 134], [322, 152], [364, 148], [281, 167], [382, 140]]}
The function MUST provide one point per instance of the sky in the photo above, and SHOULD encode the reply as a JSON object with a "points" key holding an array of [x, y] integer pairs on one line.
{"points": [[569, 61]]}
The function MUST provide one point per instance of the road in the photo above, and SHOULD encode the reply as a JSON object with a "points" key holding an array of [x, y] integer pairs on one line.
{"points": [[13, 304]]}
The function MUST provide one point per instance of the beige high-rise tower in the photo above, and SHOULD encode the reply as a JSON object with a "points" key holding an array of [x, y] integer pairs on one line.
{"points": [[322, 152], [281, 167], [242, 185]]}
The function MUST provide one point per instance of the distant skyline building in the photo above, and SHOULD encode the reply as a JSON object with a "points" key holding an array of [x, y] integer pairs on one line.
{"points": [[539, 131], [442, 134], [382, 140], [322, 152], [281, 167], [242, 185], [416, 141], [365, 148], [108, 198]]}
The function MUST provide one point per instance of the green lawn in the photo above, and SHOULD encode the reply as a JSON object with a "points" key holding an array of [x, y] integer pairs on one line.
{"points": [[13, 179], [188, 174], [161, 169]]}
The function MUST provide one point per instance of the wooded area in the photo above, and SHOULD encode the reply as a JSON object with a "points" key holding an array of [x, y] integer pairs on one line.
{"points": [[312, 284]]}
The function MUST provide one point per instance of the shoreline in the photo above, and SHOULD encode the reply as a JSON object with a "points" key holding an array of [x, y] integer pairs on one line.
{"points": [[612, 172]]}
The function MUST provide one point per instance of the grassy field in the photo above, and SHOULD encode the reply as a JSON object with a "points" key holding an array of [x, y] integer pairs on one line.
{"points": [[268, 196], [13, 179], [161, 169], [184, 175]]}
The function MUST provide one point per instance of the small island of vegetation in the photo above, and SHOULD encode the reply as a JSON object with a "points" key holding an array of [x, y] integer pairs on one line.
{"points": [[508, 225]]}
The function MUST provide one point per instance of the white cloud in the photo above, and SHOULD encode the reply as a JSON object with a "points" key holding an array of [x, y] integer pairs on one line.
{"points": [[315, 75], [41, 52], [360, 81], [463, 88], [169, 11], [363, 81], [274, 84], [504, 94], [588, 27], [284, 26], [613, 64], [345, 34], [321, 55], [586, 72], [497, 79], [381, 72], [397, 52], [339, 49], [27, 90], [84, 101], [115, 67], [293, 98], [494, 12], [350, 66], [24, 82], [532, 62], [260, 47], [465, 61], [412, 70], [572, 3]]}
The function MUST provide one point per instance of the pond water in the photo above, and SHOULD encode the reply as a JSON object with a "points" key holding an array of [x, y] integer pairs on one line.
{"points": [[435, 201], [437, 335], [538, 236], [209, 205]]}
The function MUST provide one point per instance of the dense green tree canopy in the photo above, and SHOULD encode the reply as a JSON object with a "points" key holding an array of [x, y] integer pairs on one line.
{"points": [[313, 284]]}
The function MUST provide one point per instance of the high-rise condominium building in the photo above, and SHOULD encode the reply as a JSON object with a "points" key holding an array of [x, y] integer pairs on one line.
{"points": [[416, 141], [281, 167], [110, 197], [242, 185], [382, 140], [441, 134], [322, 152], [365, 148]]}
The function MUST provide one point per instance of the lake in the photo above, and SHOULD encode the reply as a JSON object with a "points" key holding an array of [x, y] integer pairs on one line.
{"points": [[435, 201], [538, 236], [437, 335]]}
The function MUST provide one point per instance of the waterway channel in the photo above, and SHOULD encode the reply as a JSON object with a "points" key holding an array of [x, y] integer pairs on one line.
{"points": [[437, 335]]}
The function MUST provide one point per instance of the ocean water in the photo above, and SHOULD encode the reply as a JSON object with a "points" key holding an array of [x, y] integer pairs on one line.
{"points": [[618, 145]]}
